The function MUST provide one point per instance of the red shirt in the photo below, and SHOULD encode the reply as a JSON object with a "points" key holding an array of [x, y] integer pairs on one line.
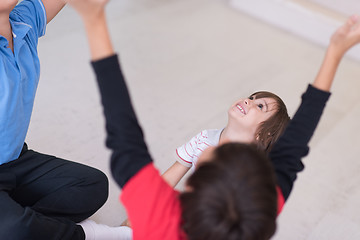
{"points": [[154, 208]]}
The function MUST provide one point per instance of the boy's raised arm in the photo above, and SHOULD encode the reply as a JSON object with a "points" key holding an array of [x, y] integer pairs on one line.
{"points": [[341, 41], [93, 15], [52, 8], [124, 134], [293, 145]]}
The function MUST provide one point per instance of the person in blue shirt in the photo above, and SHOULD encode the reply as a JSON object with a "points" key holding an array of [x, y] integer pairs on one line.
{"points": [[41, 196]]}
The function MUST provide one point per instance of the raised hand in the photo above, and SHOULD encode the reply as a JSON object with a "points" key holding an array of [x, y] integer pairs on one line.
{"points": [[94, 18], [88, 9], [346, 36], [342, 40]]}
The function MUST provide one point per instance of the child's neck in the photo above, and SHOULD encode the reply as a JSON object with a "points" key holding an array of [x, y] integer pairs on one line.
{"points": [[230, 135], [5, 30]]}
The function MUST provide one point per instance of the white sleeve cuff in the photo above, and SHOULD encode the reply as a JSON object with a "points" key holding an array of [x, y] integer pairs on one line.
{"points": [[182, 159]]}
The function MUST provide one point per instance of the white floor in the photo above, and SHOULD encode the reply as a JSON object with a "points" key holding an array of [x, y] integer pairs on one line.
{"points": [[186, 61]]}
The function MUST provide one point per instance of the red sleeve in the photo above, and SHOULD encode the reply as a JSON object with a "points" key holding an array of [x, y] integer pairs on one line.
{"points": [[153, 206], [281, 199]]}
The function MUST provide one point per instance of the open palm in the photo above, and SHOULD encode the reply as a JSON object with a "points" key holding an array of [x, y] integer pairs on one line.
{"points": [[347, 35], [88, 8]]}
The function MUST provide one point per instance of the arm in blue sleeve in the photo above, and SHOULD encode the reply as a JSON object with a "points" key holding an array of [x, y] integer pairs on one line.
{"points": [[32, 13]]}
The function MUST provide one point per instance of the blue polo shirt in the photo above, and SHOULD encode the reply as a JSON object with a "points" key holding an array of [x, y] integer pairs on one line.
{"points": [[19, 76]]}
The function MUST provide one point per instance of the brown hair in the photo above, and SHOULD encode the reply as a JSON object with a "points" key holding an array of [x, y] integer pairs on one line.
{"points": [[270, 130], [233, 196]]}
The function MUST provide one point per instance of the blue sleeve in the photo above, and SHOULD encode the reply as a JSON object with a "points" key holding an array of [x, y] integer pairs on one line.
{"points": [[32, 13]]}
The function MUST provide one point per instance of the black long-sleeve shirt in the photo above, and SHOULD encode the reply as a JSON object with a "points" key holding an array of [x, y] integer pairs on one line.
{"points": [[293, 144], [130, 154], [124, 135], [153, 206]]}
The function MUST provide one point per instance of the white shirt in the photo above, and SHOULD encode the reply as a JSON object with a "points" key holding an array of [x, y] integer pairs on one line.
{"points": [[189, 153]]}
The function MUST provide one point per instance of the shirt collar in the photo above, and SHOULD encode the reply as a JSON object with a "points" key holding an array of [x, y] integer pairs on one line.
{"points": [[19, 31], [3, 41]]}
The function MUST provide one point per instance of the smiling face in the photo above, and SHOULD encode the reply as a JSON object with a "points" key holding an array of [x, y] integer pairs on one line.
{"points": [[247, 114]]}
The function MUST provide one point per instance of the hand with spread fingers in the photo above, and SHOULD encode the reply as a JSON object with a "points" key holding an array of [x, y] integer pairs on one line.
{"points": [[346, 36], [88, 9]]}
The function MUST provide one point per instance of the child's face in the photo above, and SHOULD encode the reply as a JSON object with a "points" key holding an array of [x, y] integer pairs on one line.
{"points": [[7, 5], [247, 114]]}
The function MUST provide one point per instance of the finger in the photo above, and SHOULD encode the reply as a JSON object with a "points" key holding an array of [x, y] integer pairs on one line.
{"points": [[355, 18], [351, 22]]}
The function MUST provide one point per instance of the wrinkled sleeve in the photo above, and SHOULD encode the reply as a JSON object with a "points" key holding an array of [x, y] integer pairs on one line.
{"points": [[293, 144], [32, 13], [187, 152], [124, 134]]}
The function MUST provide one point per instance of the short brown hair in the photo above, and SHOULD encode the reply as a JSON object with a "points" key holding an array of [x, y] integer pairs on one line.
{"points": [[270, 130], [232, 196]]}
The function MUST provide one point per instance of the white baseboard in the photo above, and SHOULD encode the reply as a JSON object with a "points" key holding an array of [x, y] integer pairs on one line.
{"points": [[294, 18]]}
